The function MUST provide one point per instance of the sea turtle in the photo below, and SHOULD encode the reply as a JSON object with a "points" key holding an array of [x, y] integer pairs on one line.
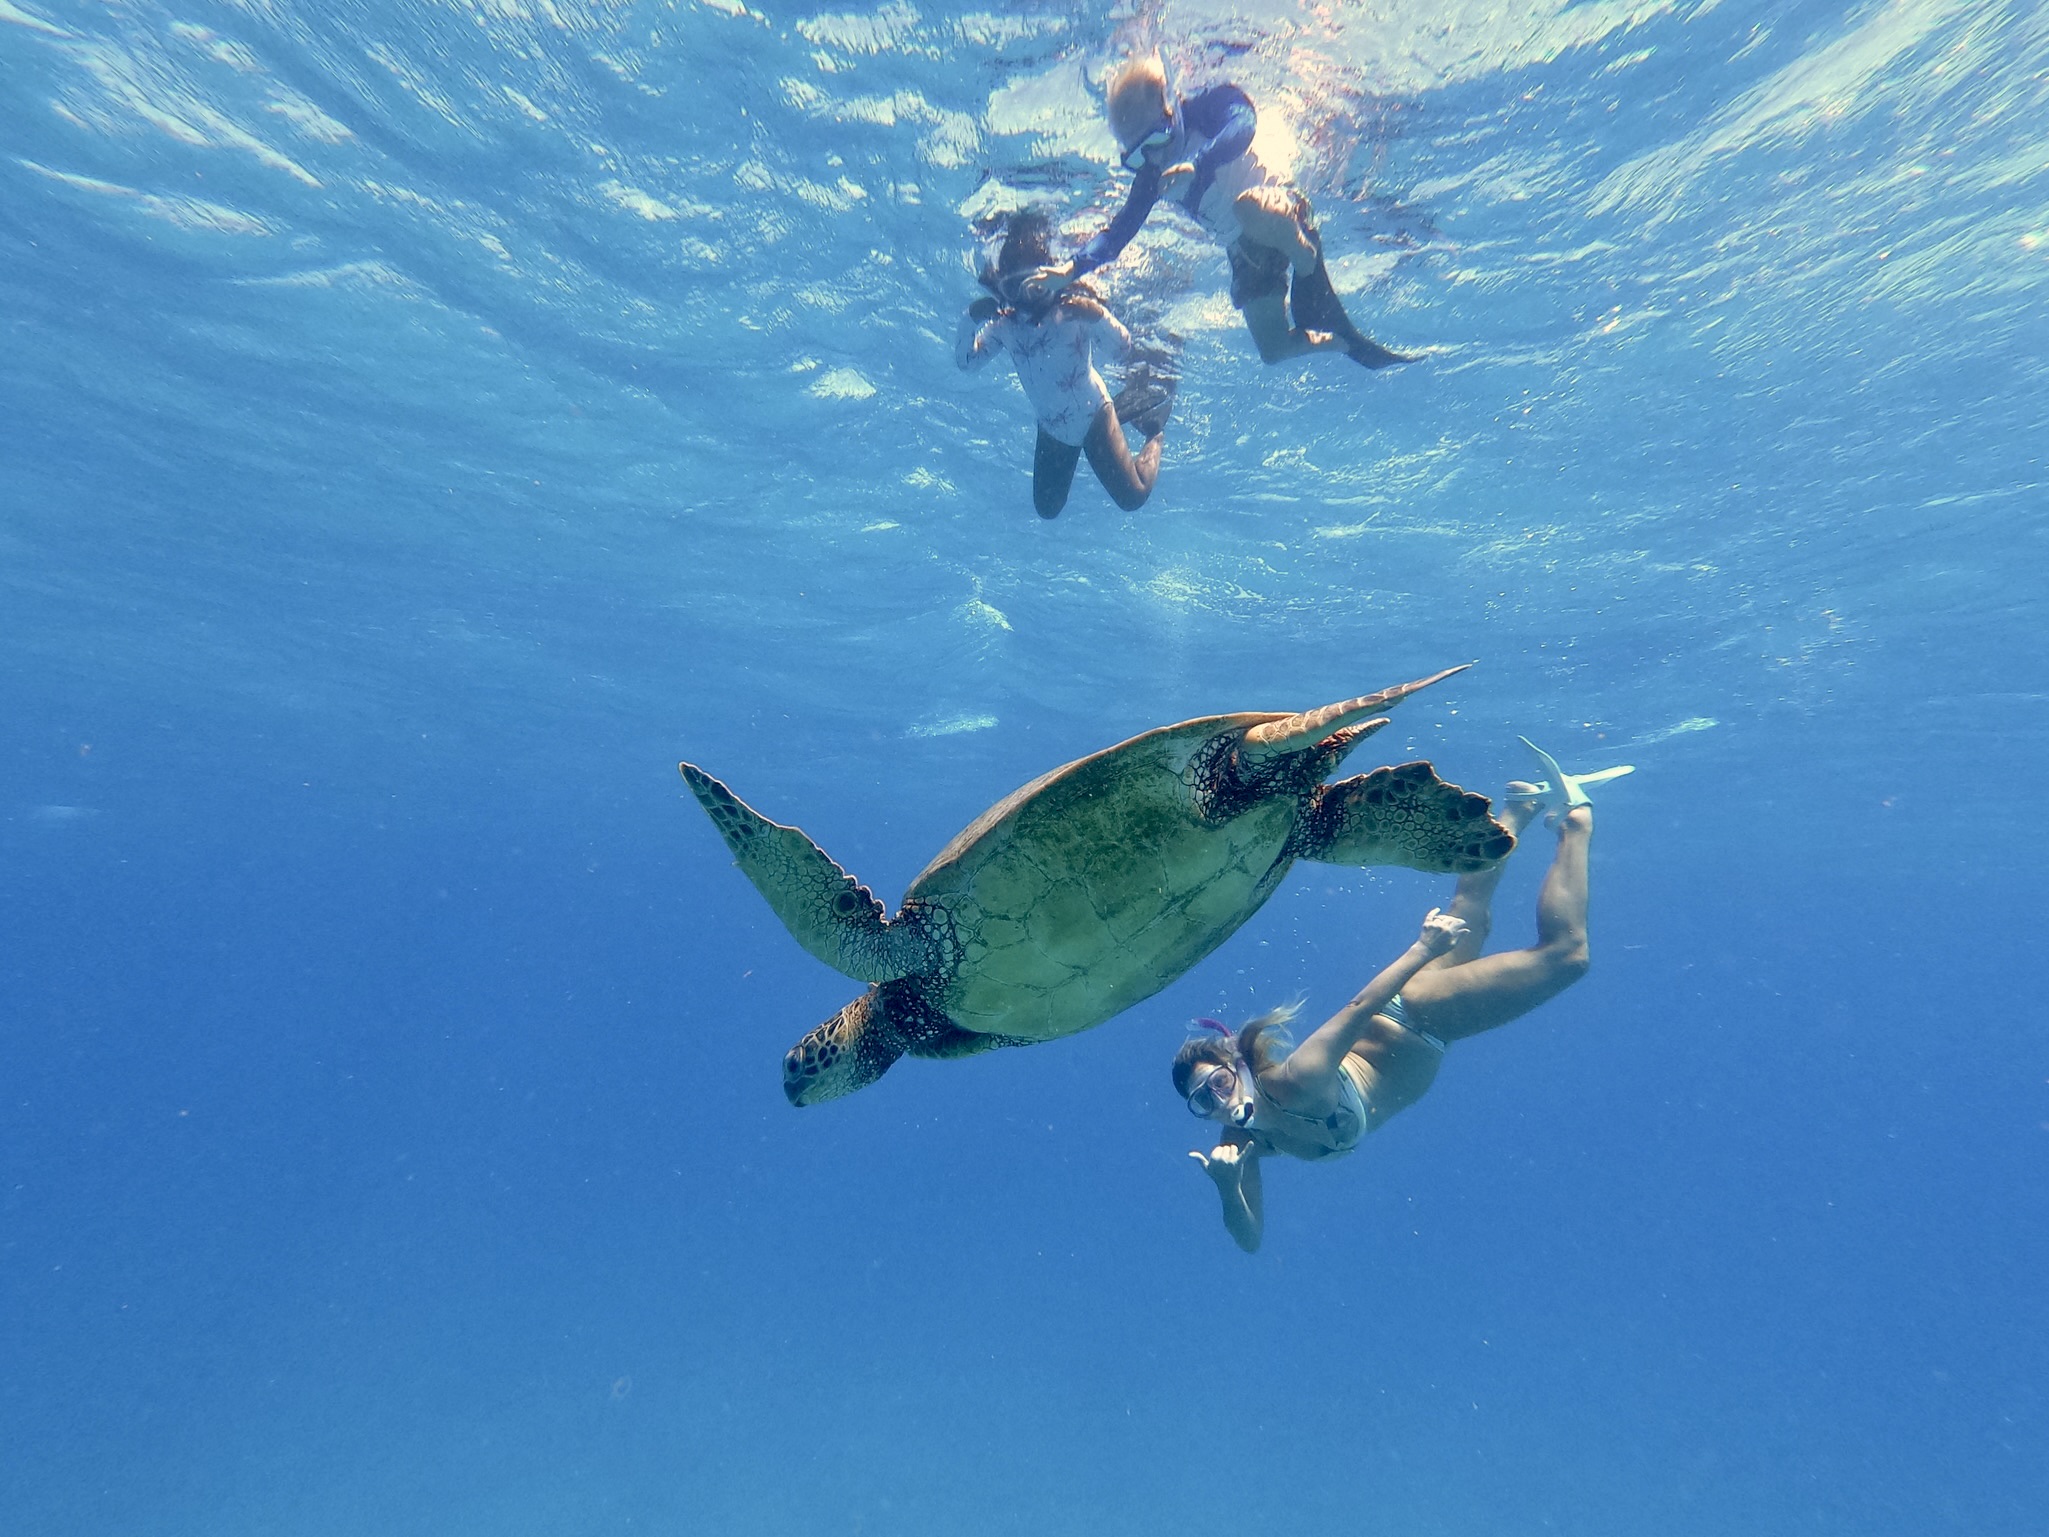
{"points": [[1096, 885]]}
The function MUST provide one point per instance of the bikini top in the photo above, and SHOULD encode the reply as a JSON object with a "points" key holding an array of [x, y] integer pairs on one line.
{"points": [[1289, 1131]]}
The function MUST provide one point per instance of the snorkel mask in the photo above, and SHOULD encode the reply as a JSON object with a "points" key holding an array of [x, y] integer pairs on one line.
{"points": [[1009, 290], [1008, 287], [1033, 253], [1160, 133], [1217, 1083]]}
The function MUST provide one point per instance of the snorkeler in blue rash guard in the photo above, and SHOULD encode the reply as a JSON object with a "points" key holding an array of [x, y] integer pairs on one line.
{"points": [[1198, 154]]}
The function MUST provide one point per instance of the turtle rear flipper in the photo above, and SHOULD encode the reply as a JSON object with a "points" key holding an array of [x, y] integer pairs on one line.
{"points": [[1402, 816], [831, 914], [1294, 733]]}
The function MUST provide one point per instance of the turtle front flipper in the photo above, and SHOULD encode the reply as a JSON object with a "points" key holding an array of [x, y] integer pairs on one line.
{"points": [[831, 914], [1401, 816]]}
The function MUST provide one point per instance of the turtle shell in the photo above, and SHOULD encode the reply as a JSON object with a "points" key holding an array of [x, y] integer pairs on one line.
{"points": [[1096, 885]]}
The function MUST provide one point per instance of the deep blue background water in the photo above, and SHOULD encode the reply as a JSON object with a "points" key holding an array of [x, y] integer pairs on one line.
{"points": [[423, 425]]}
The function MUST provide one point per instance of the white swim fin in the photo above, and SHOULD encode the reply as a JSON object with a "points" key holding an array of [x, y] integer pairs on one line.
{"points": [[1562, 791]]}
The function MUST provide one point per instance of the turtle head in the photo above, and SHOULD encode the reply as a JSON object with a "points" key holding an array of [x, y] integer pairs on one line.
{"points": [[848, 1052]]}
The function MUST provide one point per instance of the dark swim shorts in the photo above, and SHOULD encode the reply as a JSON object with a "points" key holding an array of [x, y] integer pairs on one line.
{"points": [[1256, 271]]}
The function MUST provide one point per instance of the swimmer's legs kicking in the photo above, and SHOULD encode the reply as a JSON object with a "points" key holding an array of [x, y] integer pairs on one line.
{"points": [[1275, 250], [1281, 283], [1464, 993], [1128, 479]]}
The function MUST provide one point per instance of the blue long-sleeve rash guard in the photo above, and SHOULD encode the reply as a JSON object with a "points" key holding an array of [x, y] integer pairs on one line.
{"points": [[1224, 115]]}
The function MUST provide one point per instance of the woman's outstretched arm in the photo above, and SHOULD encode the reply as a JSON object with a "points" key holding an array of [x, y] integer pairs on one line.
{"points": [[1310, 1074]]}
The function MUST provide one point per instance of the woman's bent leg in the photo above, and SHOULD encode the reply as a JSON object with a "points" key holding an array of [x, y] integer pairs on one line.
{"points": [[1129, 481], [1481, 995], [1473, 900]]}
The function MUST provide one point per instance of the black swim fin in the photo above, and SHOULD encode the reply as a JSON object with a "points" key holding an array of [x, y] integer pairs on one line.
{"points": [[1314, 305], [1147, 398], [1365, 350]]}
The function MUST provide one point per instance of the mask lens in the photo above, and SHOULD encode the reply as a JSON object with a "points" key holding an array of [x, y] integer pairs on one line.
{"points": [[1212, 1091], [1134, 157]]}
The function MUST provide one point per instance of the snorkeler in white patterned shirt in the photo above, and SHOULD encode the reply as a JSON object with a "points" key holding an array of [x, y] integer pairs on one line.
{"points": [[1380, 1053], [1053, 346]]}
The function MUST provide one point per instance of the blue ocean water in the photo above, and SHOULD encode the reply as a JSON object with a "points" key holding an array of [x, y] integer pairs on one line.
{"points": [[424, 424]]}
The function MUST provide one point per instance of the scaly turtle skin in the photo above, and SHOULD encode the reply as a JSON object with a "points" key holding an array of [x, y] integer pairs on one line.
{"points": [[1096, 885]]}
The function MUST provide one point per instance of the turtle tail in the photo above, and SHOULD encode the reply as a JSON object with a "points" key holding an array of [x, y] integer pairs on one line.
{"points": [[1401, 816]]}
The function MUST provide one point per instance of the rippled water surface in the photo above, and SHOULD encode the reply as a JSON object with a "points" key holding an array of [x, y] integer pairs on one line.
{"points": [[421, 425]]}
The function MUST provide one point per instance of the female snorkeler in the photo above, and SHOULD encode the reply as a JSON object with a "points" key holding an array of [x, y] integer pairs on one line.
{"points": [[1380, 1053], [1052, 343]]}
